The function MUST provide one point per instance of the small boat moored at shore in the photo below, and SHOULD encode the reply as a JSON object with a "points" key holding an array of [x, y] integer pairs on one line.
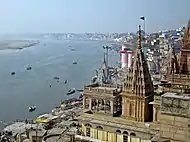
{"points": [[32, 108], [71, 91]]}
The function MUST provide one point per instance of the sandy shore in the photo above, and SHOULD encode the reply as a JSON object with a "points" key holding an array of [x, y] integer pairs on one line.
{"points": [[17, 44], [62, 116]]}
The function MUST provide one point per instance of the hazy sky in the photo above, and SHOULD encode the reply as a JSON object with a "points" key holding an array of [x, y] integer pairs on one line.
{"points": [[36, 16]]}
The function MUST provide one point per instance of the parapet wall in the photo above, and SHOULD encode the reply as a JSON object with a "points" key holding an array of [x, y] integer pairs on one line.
{"points": [[175, 105]]}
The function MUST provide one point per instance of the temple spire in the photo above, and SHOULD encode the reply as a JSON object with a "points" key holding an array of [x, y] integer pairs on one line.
{"points": [[139, 38], [185, 52], [138, 88], [138, 80]]}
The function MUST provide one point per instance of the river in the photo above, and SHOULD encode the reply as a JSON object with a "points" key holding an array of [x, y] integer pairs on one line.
{"points": [[31, 87]]}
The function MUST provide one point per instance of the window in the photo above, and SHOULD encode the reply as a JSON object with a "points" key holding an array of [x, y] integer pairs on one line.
{"points": [[88, 126], [99, 127], [133, 134], [125, 136], [118, 131], [88, 132]]}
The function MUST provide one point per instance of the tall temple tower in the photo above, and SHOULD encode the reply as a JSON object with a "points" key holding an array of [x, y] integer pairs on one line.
{"points": [[185, 52], [138, 89], [178, 71]]}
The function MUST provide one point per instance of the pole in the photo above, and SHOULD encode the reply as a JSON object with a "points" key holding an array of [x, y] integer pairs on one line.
{"points": [[107, 54], [144, 27]]}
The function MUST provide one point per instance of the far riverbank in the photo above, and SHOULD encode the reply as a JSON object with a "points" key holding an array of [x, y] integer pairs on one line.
{"points": [[17, 44]]}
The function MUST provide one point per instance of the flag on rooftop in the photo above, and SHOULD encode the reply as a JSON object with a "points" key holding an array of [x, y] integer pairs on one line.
{"points": [[142, 18]]}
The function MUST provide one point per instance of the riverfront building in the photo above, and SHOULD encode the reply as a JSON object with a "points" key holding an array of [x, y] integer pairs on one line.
{"points": [[135, 112]]}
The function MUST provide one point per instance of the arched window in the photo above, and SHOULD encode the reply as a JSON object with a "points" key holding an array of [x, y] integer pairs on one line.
{"points": [[118, 131], [88, 126], [108, 107], [93, 104], [99, 127], [133, 134], [125, 136]]}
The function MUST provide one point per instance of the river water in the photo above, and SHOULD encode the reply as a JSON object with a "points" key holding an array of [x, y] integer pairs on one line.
{"points": [[31, 87]]}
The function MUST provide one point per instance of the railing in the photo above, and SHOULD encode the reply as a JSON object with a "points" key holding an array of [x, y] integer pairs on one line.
{"points": [[174, 111], [181, 76], [174, 87], [103, 90]]}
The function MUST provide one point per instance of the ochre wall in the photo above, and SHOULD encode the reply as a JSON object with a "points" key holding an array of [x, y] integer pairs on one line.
{"points": [[83, 129], [119, 137], [93, 133], [175, 127], [109, 136]]}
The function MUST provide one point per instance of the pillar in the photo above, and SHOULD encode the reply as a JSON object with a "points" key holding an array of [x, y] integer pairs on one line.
{"points": [[97, 102], [155, 112], [111, 105], [90, 103], [105, 105], [123, 106], [84, 102]]}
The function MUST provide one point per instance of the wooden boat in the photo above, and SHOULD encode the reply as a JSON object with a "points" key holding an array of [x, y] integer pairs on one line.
{"points": [[65, 82], [74, 62], [71, 91], [32, 108], [28, 68], [56, 77], [13, 73]]}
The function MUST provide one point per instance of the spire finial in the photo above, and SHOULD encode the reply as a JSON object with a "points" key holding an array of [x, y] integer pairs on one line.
{"points": [[139, 38]]}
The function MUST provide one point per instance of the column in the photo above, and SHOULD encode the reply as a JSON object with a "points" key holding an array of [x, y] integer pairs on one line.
{"points": [[143, 110], [97, 101], [105, 106], [123, 106], [155, 112], [90, 103], [84, 102], [117, 104], [111, 105]]}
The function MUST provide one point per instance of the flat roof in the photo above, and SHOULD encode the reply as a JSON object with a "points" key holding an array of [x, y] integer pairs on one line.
{"points": [[56, 131], [176, 96], [105, 88], [39, 133], [63, 138]]}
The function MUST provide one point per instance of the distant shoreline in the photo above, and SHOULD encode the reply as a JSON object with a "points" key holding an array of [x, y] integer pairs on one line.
{"points": [[17, 44]]}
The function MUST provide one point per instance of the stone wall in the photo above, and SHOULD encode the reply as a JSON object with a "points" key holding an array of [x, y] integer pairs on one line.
{"points": [[173, 106], [174, 127]]}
